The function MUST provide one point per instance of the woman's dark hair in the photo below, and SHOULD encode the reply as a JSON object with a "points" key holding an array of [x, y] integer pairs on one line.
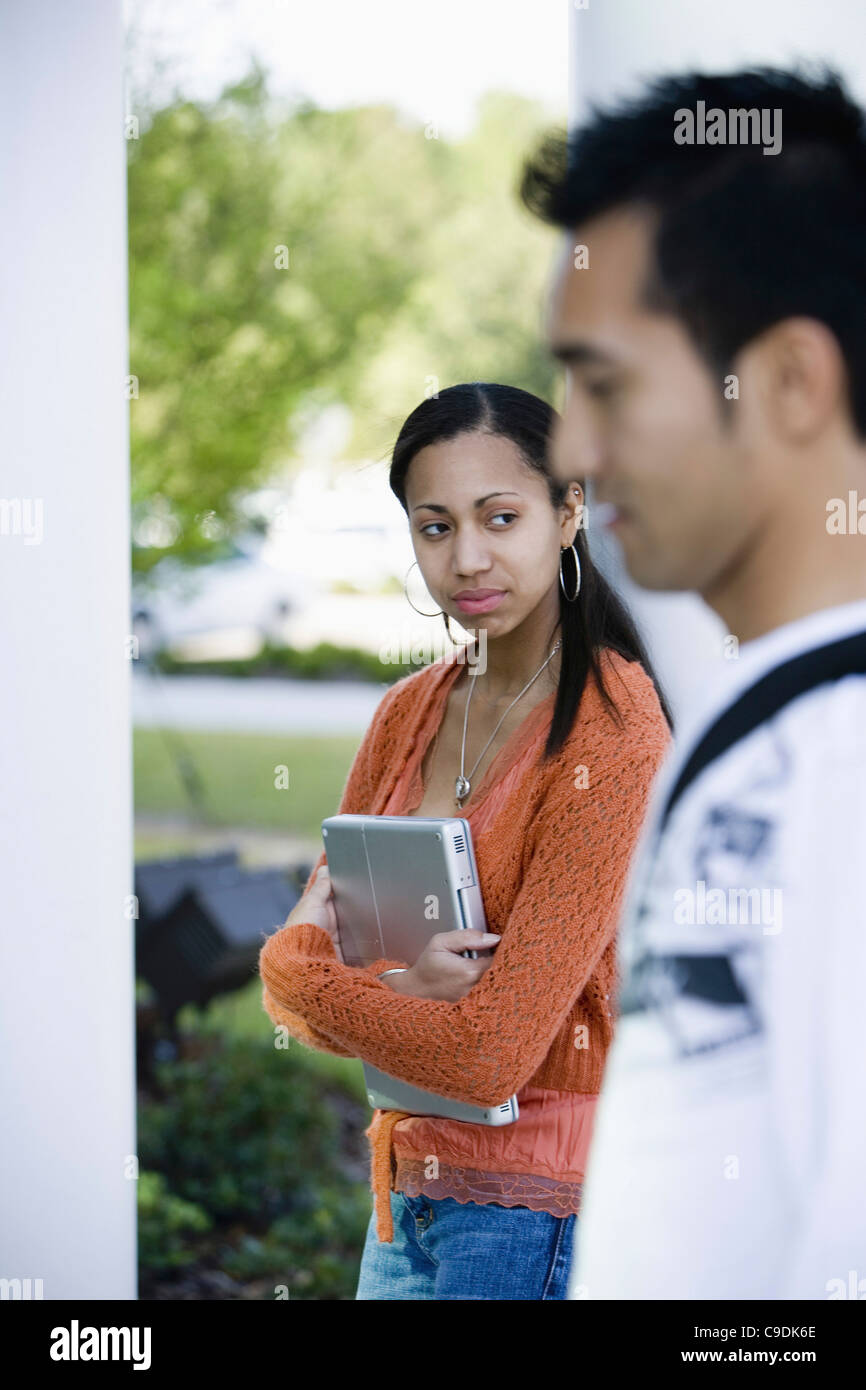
{"points": [[598, 618]]}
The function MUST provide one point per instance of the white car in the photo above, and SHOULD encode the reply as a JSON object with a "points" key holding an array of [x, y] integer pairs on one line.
{"points": [[226, 608]]}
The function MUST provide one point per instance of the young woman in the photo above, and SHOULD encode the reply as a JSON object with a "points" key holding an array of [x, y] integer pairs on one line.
{"points": [[548, 745]]}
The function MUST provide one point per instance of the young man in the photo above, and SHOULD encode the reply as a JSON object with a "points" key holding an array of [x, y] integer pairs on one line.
{"points": [[710, 309]]}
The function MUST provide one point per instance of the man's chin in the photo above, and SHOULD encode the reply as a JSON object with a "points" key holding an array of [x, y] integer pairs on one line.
{"points": [[647, 572]]}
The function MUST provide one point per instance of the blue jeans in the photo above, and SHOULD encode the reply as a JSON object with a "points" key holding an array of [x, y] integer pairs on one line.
{"points": [[443, 1248]]}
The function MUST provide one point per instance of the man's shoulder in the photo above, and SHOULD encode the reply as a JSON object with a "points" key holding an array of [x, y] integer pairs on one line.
{"points": [[787, 762], [824, 720], [823, 728]]}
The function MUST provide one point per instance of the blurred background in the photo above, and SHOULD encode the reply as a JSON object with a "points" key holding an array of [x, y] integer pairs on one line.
{"points": [[242, 240], [315, 245]]}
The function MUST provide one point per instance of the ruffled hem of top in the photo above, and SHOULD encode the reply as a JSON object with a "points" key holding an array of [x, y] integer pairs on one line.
{"points": [[555, 1196]]}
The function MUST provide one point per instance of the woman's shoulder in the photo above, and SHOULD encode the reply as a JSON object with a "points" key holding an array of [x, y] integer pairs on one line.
{"points": [[633, 675], [641, 721], [626, 748]]}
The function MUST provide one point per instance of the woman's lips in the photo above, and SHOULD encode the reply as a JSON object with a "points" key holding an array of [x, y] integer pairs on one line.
{"points": [[480, 605]]}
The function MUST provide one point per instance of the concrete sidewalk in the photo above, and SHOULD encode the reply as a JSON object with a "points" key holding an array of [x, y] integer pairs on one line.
{"points": [[255, 705]]}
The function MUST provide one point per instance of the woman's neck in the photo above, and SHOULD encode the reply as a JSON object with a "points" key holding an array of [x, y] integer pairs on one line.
{"points": [[503, 673]]}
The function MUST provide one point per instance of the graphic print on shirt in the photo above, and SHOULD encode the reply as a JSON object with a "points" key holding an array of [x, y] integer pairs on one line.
{"points": [[714, 900]]}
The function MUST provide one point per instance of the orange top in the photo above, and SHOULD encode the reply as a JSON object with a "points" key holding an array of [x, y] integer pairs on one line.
{"points": [[538, 1161], [552, 864]]}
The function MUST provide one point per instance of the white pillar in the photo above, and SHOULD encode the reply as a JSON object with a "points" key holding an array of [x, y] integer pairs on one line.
{"points": [[67, 1204], [615, 47]]}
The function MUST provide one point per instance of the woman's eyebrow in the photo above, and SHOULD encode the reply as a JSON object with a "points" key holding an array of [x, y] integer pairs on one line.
{"points": [[436, 507]]}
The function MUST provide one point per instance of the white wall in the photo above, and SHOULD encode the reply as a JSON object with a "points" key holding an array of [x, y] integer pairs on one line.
{"points": [[615, 45], [67, 1211]]}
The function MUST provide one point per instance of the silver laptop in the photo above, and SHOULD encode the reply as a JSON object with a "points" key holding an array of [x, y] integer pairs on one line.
{"points": [[398, 880]]}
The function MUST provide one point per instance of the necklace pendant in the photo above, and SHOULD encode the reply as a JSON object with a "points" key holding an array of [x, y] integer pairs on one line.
{"points": [[461, 788]]}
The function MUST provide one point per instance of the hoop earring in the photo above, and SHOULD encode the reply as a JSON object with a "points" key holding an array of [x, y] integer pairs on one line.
{"points": [[440, 614], [411, 604], [576, 569]]}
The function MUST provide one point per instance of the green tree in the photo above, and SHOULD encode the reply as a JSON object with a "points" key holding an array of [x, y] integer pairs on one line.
{"points": [[282, 258]]}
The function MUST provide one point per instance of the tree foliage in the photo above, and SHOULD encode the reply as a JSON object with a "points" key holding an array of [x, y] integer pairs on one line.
{"points": [[283, 260]]}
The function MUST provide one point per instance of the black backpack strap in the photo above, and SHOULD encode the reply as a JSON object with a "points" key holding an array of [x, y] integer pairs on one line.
{"points": [[757, 704]]}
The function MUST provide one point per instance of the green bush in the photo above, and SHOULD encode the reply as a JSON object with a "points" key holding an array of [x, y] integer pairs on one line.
{"points": [[256, 1142], [325, 661], [165, 1223]]}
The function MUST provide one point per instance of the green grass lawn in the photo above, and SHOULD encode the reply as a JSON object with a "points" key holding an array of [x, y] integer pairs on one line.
{"points": [[239, 772]]}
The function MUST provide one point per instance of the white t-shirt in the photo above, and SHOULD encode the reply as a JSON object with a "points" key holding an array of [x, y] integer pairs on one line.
{"points": [[729, 1152]]}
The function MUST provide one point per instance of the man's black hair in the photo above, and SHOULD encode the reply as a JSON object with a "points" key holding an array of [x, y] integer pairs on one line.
{"points": [[743, 239]]}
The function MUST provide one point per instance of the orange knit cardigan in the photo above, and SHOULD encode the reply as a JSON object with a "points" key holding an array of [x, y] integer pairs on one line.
{"points": [[552, 868]]}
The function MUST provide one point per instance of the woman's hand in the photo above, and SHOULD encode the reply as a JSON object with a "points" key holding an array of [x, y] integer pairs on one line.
{"points": [[441, 972], [317, 906]]}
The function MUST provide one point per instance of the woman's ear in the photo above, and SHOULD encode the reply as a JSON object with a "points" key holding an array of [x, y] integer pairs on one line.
{"points": [[573, 512]]}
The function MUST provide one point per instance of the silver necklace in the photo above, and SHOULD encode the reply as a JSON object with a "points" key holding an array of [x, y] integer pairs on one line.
{"points": [[463, 784]]}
